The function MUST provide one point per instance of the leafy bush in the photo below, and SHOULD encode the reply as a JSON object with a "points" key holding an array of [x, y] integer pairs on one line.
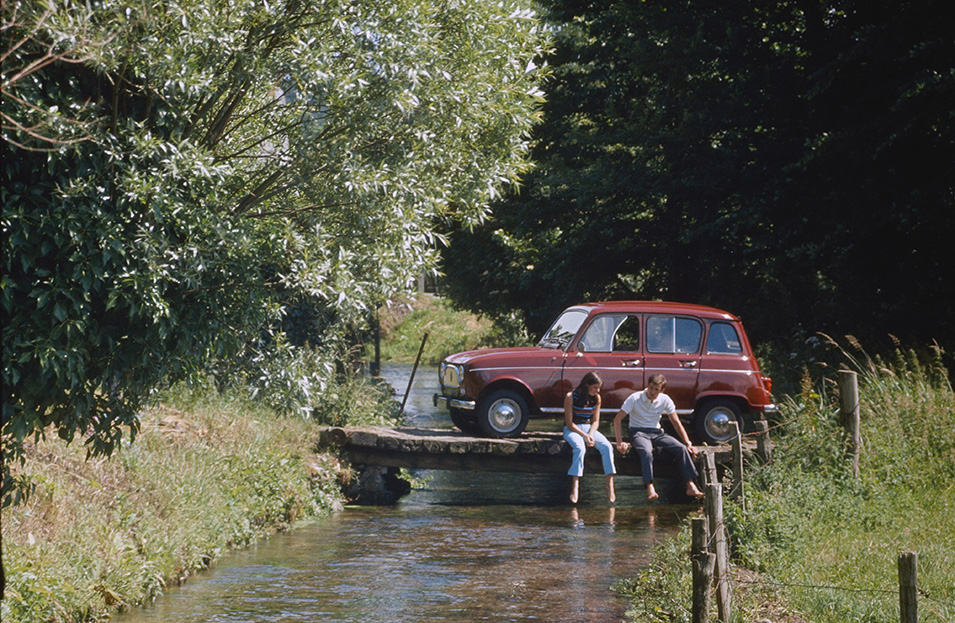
{"points": [[234, 191], [659, 592], [356, 401]]}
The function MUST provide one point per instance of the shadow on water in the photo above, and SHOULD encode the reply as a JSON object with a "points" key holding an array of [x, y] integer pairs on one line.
{"points": [[465, 546]]}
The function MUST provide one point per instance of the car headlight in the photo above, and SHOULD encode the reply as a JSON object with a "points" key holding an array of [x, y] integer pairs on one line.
{"points": [[451, 376]]}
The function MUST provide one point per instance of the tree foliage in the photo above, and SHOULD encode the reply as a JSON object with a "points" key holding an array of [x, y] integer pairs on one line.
{"points": [[790, 161], [229, 186]]}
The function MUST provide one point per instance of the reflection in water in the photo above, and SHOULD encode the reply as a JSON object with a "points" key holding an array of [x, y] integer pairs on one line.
{"points": [[467, 547]]}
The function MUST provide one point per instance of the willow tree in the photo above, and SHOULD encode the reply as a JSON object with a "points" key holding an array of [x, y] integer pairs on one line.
{"points": [[180, 177]]}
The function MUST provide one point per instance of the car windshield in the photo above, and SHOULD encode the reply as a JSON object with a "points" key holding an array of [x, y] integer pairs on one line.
{"points": [[564, 329]]}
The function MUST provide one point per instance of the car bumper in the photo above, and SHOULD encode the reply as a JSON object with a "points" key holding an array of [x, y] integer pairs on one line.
{"points": [[453, 403]]}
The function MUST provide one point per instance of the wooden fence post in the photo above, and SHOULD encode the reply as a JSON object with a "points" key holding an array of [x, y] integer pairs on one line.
{"points": [[703, 562], [713, 506], [736, 492], [709, 469], [908, 585], [849, 412], [764, 449]]}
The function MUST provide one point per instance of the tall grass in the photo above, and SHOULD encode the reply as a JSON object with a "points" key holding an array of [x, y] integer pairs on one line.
{"points": [[206, 474], [817, 544]]}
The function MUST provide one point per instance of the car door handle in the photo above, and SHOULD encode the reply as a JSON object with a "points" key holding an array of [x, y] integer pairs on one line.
{"points": [[632, 363], [688, 364]]}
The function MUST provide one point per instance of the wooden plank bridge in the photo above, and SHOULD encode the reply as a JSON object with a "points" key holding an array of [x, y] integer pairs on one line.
{"points": [[532, 452]]}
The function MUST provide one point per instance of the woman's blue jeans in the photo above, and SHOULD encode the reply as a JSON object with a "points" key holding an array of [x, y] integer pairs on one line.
{"points": [[580, 449]]}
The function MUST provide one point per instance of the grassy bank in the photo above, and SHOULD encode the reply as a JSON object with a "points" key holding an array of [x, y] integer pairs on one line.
{"points": [[205, 475], [817, 544], [404, 322]]}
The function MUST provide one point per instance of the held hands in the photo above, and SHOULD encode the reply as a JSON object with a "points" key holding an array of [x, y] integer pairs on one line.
{"points": [[589, 441], [622, 447]]}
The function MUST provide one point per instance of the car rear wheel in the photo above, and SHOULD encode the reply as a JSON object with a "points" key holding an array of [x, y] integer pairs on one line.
{"points": [[465, 421], [503, 413], [713, 419]]}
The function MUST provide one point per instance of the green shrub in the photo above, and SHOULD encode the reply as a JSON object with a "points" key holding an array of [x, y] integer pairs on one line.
{"points": [[661, 591], [356, 401]]}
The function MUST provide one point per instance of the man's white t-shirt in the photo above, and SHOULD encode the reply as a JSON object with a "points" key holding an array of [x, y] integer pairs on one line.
{"points": [[646, 413]]}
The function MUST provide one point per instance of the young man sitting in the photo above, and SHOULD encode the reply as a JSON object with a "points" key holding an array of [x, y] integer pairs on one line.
{"points": [[645, 409]]}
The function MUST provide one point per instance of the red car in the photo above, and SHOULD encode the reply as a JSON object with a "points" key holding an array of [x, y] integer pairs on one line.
{"points": [[711, 372]]}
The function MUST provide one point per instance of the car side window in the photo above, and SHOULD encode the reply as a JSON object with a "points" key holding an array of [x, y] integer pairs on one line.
{"points": [[597, 337], [673, 334], [627, 337], [723, 339]]}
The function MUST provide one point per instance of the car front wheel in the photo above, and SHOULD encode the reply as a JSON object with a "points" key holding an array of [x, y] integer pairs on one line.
{"points": [[503, 413], [713, 420], [465, 421]]}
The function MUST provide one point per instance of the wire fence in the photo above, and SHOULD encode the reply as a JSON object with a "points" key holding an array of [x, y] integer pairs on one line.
{"points": [[723, 575], [943, 608]]}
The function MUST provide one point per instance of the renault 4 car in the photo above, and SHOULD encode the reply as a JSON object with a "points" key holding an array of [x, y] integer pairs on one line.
{"points": [[712, 374]]}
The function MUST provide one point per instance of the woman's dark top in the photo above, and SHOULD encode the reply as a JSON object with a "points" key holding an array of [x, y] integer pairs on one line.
{"points": [[584, 406]]}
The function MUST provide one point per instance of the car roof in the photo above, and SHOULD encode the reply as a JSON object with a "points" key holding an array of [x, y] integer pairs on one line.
{"points": [[656, 307]]}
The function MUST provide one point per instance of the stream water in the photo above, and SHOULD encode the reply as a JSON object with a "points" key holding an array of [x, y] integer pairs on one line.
{"points": [[464, 547]]}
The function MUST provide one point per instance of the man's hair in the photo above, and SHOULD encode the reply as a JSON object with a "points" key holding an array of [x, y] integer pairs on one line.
{"points": [[657, 379]]}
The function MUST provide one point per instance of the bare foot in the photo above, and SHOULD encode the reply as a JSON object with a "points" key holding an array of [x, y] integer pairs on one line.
{"points": [[573, 490], [693, 491], [651, 493], [610, 492]]}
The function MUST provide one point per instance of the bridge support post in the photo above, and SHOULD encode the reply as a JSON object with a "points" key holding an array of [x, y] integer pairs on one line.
{"points": [[375, 485]]}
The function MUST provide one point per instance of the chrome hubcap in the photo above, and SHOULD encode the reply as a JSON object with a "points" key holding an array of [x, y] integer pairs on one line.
{"points": [[718, 423], [504, 415]]}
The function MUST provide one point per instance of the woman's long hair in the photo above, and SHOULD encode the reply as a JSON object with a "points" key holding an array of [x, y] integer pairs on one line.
{"points": [[591, 378]]}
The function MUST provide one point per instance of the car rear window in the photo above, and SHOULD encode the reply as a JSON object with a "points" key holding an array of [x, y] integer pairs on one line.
{"points": [[723, 339], [673, 334]]}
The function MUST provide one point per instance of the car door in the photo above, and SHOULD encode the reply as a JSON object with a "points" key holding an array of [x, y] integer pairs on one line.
{"points": [[556, 350], [609, 345], [550, 394], [726, 368], [672, 348]]}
